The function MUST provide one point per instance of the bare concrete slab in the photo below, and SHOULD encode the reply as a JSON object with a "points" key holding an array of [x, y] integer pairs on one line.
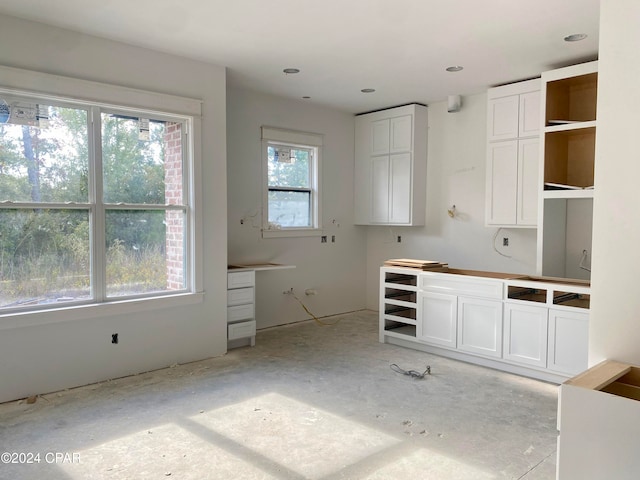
{"points": [[307, 402]]}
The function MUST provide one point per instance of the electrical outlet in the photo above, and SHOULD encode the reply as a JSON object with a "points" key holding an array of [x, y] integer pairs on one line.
{"points": [[333, 239], [505, 242], [114, 338], [323, 239], [399, 239]]}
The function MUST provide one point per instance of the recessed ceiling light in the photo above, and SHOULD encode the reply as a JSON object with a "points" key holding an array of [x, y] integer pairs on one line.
{"points": [[368, 90], [455, 68], [291, 70], [576, 37]]}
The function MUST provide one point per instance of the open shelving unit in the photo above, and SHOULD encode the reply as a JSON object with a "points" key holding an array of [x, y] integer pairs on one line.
{"points": [[569, 122], [398, 301]]}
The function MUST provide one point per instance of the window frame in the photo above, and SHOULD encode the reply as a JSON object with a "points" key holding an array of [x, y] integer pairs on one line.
{"points": [[272, 136], [95, 98]]}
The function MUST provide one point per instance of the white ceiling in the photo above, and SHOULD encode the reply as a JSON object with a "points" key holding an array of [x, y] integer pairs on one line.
{"points": [[399, 47]]}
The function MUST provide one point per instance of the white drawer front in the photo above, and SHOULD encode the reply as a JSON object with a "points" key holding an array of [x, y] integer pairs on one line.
{"points": [[462, 285], [245, 278], [239, 296], [240, 312], [241, 330]]}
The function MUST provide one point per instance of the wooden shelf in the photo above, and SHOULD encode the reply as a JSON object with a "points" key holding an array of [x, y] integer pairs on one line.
{"points": [[580, 193], [569, 156], [573, 98]]}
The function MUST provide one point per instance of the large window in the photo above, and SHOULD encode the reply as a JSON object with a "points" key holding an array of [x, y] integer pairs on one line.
{"points": [[94, 203], [292, 200]]}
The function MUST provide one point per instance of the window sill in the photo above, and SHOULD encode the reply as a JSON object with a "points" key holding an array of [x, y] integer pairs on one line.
{"points": [[97, 310], [292, 232]]}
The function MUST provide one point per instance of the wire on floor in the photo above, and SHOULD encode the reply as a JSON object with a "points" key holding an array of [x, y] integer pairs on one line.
{"points": [[411, 373], [324, 324]]}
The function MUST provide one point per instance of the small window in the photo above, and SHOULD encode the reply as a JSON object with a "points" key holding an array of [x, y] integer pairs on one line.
{"points": [[291, 205]]}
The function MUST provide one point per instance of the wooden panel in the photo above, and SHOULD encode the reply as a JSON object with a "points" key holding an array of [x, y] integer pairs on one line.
{"points": [[600, 375], [572, 99], [581, 159], [570, 157]]}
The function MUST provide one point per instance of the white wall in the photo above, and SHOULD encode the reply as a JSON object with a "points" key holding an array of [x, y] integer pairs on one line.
{"points": [[455, 176], [615, 307], [40, 359], [335, 270]]}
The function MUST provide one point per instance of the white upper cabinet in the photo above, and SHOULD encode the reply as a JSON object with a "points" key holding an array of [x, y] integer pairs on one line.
{"points": [[529, 116], [513, 127], [391, 166], [503, 118]]}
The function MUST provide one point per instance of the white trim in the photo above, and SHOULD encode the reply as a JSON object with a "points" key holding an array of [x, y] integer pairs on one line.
{"points": [[15, 80], [292, 136], [97, 310], [95, 98], [292, 232]]}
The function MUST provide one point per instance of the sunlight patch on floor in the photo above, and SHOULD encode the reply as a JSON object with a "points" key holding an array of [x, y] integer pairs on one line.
{"points": [[167, 451], [427, 464], [304, 439]]}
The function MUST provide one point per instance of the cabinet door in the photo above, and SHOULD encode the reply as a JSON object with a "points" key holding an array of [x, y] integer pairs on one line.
{"points": [[525, 334], [379, 137], [502, 183], [528, 161], [438, 315], [568, 347], [380, 189], [480, 326], [503, 118], [529, 124], [401, 134], [400, 188]]}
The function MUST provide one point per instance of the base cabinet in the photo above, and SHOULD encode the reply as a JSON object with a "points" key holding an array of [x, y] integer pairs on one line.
{"points": [[536, 327], [480, 326], [525, 334], [568, 347], [438, 318]]}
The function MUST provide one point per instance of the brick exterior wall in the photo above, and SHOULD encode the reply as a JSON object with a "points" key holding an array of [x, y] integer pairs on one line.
{"points": [[173, 195]]}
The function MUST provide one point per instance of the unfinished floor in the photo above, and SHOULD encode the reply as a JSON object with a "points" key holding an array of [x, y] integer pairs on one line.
{"points": [[307, 402]]}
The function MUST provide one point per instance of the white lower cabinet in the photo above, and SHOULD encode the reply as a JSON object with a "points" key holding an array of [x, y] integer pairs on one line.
{"points": [[438, 318], [568, 341], [525, 334], [528, 326], [241, 321], [480, 326]]}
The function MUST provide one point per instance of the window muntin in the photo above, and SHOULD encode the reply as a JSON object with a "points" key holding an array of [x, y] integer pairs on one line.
{"points": [[52, 213]]}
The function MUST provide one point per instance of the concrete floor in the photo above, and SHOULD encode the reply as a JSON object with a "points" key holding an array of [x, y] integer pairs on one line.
{"points": [[307, 402]]}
